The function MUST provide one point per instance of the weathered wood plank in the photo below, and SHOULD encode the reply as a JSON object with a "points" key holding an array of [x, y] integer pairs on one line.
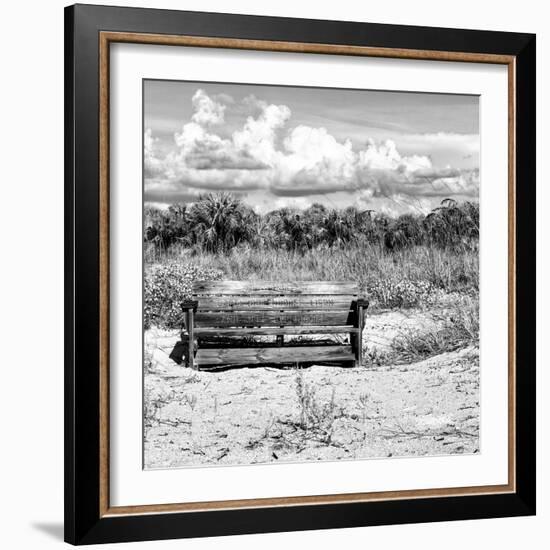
{"points": [[190, 338], [359, 335], [270, 287], [243, 356], [273, 318], [272, 331], [266, 302]]}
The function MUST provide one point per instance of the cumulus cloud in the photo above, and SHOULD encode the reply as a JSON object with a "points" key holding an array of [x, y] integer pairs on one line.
{"points": [[250, 148], [267, 152], [257, 137], [387, 173], [201, 150], [312, 157], [152, 165], [207, 111]]}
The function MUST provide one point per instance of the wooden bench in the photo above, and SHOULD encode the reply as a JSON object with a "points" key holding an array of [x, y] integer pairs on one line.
{"points": [[223, 313]]}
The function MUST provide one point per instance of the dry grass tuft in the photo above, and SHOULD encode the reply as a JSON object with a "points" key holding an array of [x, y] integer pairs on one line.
{"points": [[457, 328]]}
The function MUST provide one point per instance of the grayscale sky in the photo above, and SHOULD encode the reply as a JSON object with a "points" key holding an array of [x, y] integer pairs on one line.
{"points": [[277, 146]]}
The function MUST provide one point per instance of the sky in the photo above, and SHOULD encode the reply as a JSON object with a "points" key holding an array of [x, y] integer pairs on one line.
{"points": [[283, 146]]}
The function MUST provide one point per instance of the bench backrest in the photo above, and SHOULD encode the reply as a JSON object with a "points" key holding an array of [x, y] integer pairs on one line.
{"points": [[264, 303]]}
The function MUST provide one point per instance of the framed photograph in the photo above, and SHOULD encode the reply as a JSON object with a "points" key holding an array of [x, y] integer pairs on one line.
{"points": [[300, 274]]}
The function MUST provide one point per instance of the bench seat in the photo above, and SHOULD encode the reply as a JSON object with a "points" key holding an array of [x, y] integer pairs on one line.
{"points": [[289, 354]]}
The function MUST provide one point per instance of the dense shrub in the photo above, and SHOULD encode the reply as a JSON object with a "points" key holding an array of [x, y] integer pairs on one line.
{"points": [[165, 287], [402, 293]]}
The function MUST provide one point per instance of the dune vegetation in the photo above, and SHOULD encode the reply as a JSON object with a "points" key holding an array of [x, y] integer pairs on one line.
{"points": [[402, 262]]}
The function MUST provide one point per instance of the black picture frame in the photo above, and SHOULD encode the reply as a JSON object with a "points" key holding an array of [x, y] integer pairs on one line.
{"points": [[84, 523]]}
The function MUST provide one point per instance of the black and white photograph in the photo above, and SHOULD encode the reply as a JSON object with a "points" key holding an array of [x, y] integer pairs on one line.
{"points": [[311, 274]]}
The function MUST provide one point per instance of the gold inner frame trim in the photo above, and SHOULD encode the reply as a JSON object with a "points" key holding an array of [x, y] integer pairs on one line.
{"points": [[105, 39]]}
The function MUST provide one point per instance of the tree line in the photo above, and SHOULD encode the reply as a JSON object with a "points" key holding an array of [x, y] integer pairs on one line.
{"points": [[218, 222]]}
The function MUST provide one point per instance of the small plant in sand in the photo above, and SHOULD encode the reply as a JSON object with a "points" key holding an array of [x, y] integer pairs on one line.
{"points": [[191, 401], [375, 357], [316, 417], [148, 363], [363, 404], [154, 399]]}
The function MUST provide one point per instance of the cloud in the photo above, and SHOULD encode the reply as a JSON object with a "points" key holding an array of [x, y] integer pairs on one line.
{"points": [[223, 160], [267, 153], [289, 202], [314, 162], [257, 138], [217, 180], [385, 157], [304, 191], [152, 165], [207, 111], [161, 191], [313, 157], [465, 184], [251, 148]]}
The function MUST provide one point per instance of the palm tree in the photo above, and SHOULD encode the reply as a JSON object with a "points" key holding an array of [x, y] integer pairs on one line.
{"points": [[452, 225], [314, 217], [292, 229], [338, 228], [166, 227], [218, 221]]}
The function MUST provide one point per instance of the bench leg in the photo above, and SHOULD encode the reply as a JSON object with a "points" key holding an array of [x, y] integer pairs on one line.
{"points": [[190, 339], [359, 338]]}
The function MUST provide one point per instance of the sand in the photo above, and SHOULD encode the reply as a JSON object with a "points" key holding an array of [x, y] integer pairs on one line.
{"points": [[266, 414]]}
